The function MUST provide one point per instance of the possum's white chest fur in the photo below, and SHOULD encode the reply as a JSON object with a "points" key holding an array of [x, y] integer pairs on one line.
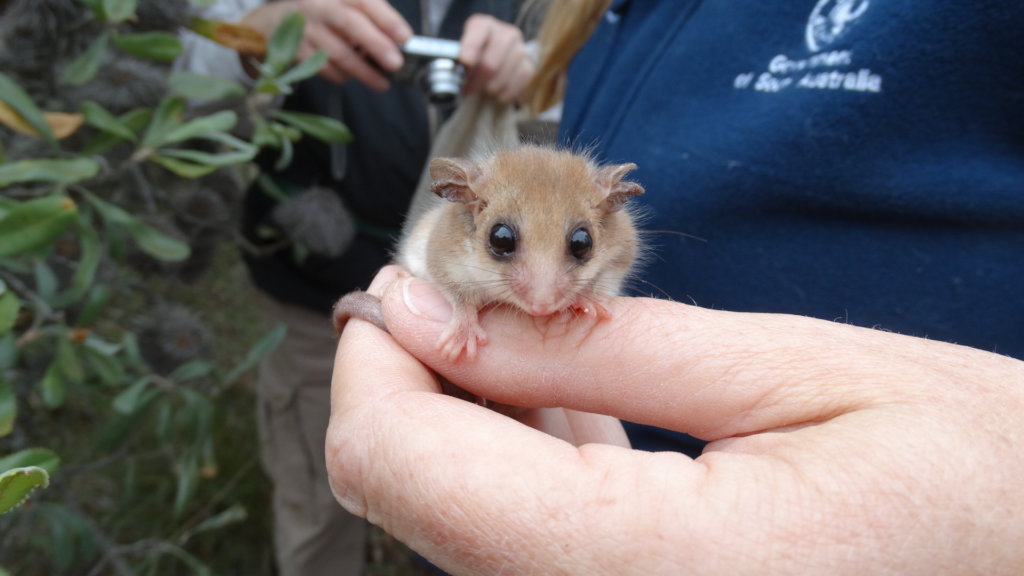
{"points": [[412, 251]]}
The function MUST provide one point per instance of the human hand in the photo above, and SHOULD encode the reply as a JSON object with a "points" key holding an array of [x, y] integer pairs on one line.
{"points": [[353, 33], [835, 449], [495, 57]]}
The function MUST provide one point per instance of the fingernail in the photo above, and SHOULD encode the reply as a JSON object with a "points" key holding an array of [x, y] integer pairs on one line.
{"points": [[392, 60], [424, 300]]}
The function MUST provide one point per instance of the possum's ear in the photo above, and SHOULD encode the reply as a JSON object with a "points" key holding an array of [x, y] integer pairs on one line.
{"points": [[456, 180], [614, 189]]}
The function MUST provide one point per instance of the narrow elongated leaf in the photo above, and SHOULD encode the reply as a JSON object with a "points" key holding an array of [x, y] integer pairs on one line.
{"points": [[21, 102], [136, 121], [264, 346], [306, 69], [149, 239], [166, 118], [218, 122], [204, 88], [232, 515], [187, 471], [119, 10], [18, 484], [55, 170], [85, 67], [52, 388], [40, 457], [107, 369], [89, 260], [46, 281], [61, 124], [68, 363], [98, 117], [159, 245], [133, 397], [183, 168], [159, 46], [34, 224], [320, 127], [95, 302], [8, 407], [284, 43], [210, 159], [242, 39], [191, 371], [10, 305]]}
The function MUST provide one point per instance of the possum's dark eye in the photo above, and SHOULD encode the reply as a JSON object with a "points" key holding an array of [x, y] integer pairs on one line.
{"points": [[580, 243], [502, 241]]}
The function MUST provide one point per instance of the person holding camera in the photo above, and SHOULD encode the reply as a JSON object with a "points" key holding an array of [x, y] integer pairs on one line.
{"points": [[344, 207]]}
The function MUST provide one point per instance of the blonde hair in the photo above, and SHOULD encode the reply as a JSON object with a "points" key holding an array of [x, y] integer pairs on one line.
{"points": [[565, 28]]}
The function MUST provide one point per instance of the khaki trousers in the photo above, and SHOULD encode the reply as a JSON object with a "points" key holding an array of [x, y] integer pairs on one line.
{"points": [[313, 535]]}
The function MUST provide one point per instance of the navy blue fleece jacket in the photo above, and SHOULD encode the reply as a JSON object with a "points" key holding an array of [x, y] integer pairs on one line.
{"points": [[852, 160]]}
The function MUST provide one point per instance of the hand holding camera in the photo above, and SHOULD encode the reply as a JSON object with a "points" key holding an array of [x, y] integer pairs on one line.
{"points": [[364, 40]]}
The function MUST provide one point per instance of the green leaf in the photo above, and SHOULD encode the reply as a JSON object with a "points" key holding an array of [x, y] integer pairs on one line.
{"points": [[111, 213], [187, 471], [320, 127], [34, 224], [159, 245], [52, 388], [46, 281], [39, 457], [191, 371], [68, 363], [134, 396], [262, 348], [204, 88], [10, 305], [118, 10], [201, 127], [98, 117], [18, 484], [207, 158], [149, 239], [232, 515], [287, 152], [166, 118], [94, 304], [17, 98], [108, 369], [182, 168], [8, 351], [160, 46], [8, 407], [56, 170], [305, 69], [284, 44], [85, 67], [134, 120], [91, 252]]}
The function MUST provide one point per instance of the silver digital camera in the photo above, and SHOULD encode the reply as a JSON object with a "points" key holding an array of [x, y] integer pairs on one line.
{"points": [[433, 64]]}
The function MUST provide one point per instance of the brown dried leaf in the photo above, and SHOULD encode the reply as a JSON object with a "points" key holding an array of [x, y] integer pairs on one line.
{"points": [[242, 39], [61, 124]]}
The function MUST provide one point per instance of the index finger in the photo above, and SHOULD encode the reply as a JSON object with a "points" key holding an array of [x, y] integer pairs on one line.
{"points": [[708, 373], [373, 28]]}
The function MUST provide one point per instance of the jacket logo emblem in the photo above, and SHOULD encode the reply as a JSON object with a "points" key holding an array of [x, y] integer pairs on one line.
{"points": [[829, 20]]}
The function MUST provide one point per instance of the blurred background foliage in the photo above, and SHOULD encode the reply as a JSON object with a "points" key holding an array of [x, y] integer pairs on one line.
{"points": [[128, 441]]}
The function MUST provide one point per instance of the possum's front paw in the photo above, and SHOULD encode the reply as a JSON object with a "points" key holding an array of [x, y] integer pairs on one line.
{"points": [[462, 333]]}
